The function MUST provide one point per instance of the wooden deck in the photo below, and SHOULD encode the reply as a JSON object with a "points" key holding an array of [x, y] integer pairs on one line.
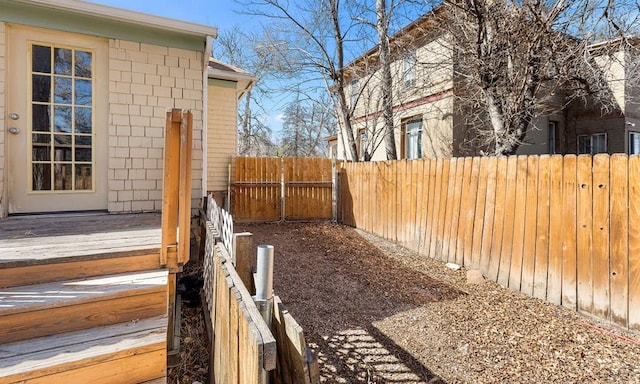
{"points": [[28, 239]]}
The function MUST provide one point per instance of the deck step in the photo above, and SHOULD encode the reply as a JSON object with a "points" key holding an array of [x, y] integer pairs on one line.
{"points": [[28, 271], [47, 309], [126, 353]]}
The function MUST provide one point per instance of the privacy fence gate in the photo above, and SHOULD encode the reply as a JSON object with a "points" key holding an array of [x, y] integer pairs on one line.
{"points": [[283, 189]]}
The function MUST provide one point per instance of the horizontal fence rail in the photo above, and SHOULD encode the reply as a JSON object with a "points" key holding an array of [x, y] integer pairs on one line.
{"points": [[560, 228]]}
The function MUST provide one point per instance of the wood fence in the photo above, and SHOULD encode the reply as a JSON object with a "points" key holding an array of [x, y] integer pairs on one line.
{"points": [[242, 346], [560, 228], [275, 189]]}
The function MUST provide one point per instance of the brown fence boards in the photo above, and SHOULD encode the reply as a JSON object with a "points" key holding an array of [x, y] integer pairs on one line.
{"points": [[569, 232], [554, 275], [634, 242], [556, 227], [619, 224], [308, 189]]}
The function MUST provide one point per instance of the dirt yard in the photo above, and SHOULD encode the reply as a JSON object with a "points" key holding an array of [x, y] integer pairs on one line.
{"points": [[375, 312]]}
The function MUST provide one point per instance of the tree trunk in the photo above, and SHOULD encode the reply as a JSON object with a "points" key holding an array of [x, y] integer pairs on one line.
{"points": [[382, 25]]}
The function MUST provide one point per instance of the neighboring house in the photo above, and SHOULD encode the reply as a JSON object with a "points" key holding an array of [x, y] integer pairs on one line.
{"points": [[84, 91], [428, 122], [227, 85]]}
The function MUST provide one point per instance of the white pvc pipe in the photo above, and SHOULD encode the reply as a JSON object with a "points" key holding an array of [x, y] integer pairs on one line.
{"points": [[264, 274]]}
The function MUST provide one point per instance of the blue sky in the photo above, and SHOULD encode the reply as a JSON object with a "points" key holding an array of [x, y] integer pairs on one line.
{"points": [[217, 13]]}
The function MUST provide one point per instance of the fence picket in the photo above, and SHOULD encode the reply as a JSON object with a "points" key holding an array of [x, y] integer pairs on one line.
{"points": [[541, 265], [478, 223], [509, 214], [554, 276], [619, 224], [455, 211], [489, 211], [470, 212], [569, 232], [600, 266], [519, 223], [584, 234], [431, 207], [493, 257], [634, 242], [464, 212], [531, 218]]}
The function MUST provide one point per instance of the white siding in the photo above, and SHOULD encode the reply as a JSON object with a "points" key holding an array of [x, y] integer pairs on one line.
{"points": [[221, 134]]}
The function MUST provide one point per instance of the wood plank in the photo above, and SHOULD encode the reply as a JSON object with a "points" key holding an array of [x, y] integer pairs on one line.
{"points": [[170, 186], [489, 210], [416, 198], [42, 358], [441, 199], [421, 191], [470, 213], [600, 271], [517, 247], [634, 242], [184, 193], [494, 252], [506, 250], [450, 203], [569, 232], [619, 214], [530, 234], [542, 230], [455, 213], [69, 268], [432, 207], [584, 234], [463, 217], [26, 325], [554, 277], [478, 223]]}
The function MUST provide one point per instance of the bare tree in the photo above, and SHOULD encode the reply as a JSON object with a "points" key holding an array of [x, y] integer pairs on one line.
{"points": [[306, 122], [312, 37], [514, 61]]}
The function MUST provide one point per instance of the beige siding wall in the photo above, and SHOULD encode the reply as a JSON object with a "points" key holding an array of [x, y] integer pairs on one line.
{"points": [[221, 132], [146, 81], [429, 98], [3, 112]]}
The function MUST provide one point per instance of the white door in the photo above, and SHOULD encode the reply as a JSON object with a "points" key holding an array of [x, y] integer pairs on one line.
{"points": [[57, 127]]}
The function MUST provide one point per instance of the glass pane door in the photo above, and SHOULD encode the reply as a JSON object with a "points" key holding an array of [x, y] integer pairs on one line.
{"points": [[62, 105]]}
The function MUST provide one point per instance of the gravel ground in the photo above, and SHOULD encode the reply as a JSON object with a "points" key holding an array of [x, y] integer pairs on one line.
{"points": [[375, 312]]}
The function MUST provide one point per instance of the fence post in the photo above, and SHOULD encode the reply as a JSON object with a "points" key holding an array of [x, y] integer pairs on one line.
{"points": [[264, 289], [243, 246]]}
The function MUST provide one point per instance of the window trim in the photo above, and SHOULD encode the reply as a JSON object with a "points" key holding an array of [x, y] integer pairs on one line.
{"points": [[362, 132], [405, 137], [591, 136], [409, 67], [353, 92]]}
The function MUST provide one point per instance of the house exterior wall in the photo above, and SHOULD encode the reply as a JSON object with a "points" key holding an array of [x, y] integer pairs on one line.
{"points": [[3, 113], [429, 98], [222, 139], [146, 81]]}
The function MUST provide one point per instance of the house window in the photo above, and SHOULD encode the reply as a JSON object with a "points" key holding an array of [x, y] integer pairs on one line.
{"points": [[362, 144], [353, 91], [634, 143], [409, 64], [413, 139], [592, 144], [333, 149], [62, 103], [552, 137]]}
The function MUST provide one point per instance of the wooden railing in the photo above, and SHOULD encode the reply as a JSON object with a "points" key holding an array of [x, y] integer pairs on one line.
{"points": [[176, 207], [563, 229]]}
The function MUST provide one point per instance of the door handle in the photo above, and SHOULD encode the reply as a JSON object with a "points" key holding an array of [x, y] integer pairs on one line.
{"points": [[14, 130]]}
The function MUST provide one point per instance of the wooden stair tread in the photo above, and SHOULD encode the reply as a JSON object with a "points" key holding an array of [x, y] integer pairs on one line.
{"points": [[64, 293], [82, 347]]}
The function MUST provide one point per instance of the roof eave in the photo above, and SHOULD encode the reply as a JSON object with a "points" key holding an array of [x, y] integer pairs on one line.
{"points": [[122, 15]]}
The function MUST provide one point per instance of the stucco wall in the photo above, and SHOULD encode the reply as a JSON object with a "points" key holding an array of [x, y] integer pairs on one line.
{"points": [[146, 81], [222, 137], [3, 63]]}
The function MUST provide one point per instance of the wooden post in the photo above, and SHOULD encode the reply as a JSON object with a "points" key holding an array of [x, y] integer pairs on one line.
{"points": [[243, 245], [186, 124], [168, 251]]}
